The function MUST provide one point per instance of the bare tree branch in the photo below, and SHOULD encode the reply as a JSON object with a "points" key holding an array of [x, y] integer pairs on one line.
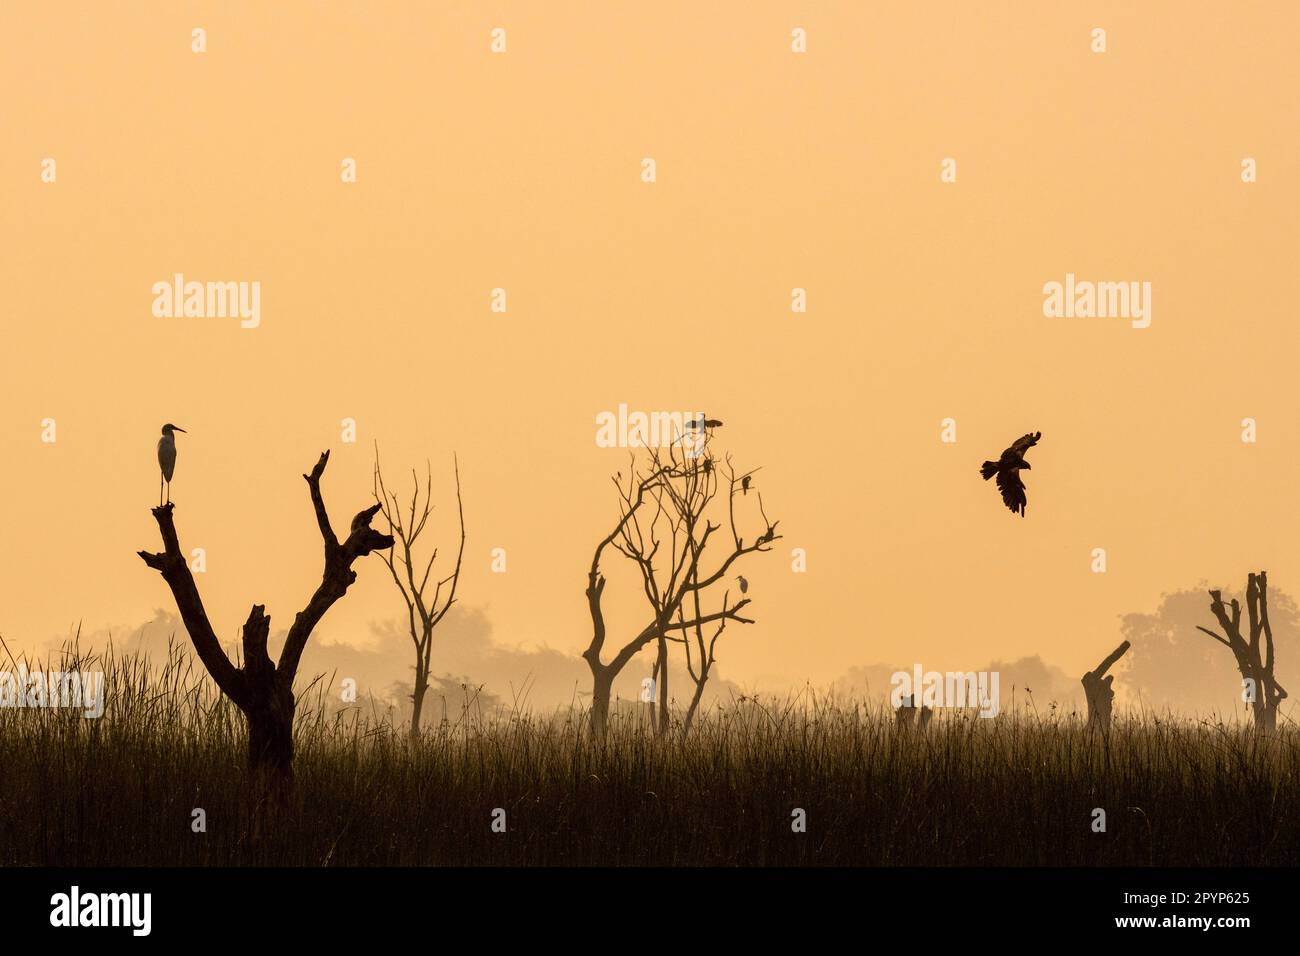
{"points": [[423, 611]]}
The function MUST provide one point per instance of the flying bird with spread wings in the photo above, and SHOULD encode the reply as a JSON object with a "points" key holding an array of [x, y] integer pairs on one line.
{"points": [[1008, 469]]}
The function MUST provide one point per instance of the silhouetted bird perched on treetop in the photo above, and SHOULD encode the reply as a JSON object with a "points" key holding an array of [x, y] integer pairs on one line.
{"points": [[167, 459], [1008, 467], [702, 422], [744, 484]]}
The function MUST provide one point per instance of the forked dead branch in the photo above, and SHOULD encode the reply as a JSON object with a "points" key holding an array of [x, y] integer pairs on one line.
{"points": [[261, 688]]}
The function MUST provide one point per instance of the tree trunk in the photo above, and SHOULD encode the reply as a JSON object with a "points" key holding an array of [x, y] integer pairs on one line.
{"points": [[661, 686], [417, 702], [270, 743], [270, 750], [602, 686], [1265, 715], [1100, 698], [695, 705], [1097, 689]]}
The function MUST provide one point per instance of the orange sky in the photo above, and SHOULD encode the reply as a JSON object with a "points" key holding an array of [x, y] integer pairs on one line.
{"points": [[775, 170]]}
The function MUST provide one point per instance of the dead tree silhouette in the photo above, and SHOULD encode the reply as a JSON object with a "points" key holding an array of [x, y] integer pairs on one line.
{"points": [[663, 531], [422, 614], [1262, 691], [262, 689], [1097, 689]]}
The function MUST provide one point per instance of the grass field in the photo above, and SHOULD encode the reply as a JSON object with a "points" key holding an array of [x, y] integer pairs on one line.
{"points": [[1016, 790]]}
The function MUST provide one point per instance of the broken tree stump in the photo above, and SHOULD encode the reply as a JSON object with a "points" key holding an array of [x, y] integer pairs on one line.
{"points": [[1097, 688]]}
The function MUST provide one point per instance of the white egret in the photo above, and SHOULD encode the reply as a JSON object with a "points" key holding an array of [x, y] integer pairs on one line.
{"points": [[167, 460]]}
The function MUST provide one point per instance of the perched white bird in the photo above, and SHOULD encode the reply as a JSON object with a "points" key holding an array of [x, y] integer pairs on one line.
{"points": [[744, 585], [167, 459]]}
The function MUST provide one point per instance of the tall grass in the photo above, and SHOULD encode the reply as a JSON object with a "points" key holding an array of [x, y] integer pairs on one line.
{"points": [[121, 789]]}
